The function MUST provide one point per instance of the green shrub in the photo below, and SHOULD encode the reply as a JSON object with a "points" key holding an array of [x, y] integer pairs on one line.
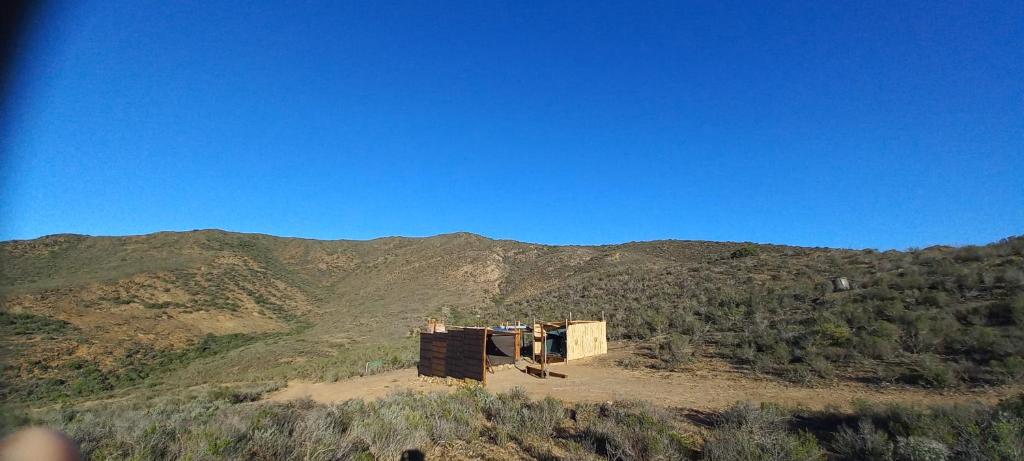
{"points": [[935, 299], [1012, 406], [834, 333], [930, 371], [1006, 438], [1016, 308], [799, 373], [634, 430], [875, 347], [919, 449], [515, 416], [926, 331], [21, 324], [676, 350], [746, 432], [631, 362], [972, 253], [998, 313], [455, 417], [391, 428], [821, 366], [864, 443], [320, 435], [264, 443], [879, 292], [744, 251]]}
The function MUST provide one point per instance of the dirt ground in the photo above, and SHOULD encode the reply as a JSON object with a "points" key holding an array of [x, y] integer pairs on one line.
{"points": [[710, 386]]}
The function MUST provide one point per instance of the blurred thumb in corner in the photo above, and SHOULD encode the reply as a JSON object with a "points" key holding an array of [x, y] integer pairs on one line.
{"points": [[38, 444]]}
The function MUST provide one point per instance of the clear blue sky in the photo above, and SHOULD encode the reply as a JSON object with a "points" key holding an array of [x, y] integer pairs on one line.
{"points": [[873, 124]]}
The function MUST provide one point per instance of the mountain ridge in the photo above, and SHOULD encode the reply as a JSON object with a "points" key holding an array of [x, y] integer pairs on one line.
{"points": [[443, 234]]}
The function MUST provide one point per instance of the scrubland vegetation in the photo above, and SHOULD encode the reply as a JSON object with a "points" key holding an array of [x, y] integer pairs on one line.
{"points": [[88, 318], [471, 423], [938, 317]]}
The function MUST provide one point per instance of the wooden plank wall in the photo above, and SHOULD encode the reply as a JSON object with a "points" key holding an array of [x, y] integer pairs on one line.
{"points": [[433, 354], [536, 340], [457, 353], [585, 339]]}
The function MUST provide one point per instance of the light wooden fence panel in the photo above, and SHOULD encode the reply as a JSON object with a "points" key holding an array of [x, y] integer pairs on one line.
{"points": [[586, 339]]}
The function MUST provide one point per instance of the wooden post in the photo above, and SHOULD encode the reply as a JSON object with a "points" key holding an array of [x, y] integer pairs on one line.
{"points": [[533, 332], [484, 358], [519, 345], [543, 353], [570, 319]]}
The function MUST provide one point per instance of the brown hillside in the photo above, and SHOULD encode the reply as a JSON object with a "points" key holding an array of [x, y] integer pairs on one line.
{"points": [[91, 314]]}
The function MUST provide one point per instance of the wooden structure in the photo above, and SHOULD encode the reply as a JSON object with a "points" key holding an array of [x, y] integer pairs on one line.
{"points": [[504, 346], [586, 338], [468, 352], [458, 353], [583, 338]]}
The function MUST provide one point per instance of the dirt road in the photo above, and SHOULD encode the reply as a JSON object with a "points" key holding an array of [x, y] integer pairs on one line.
{"points": [[711, 386]]}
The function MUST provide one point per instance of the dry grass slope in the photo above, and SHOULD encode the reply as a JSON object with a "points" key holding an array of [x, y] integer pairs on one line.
{"points": [[91, 315]]}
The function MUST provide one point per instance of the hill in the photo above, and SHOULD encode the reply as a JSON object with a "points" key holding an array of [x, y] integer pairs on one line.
{"points": [[83, 316]]}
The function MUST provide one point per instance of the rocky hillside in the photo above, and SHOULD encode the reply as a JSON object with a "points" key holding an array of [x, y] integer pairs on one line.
{"points": [[85, 315]]}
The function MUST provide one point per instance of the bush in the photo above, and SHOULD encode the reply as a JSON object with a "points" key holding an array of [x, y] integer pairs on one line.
{"points": [[676, 350], [876, 347], [746, 432], [821, 366], [1016, 308], [926, 331], [998, 313], [744, 251], [321, 434], [515, 416], [631, 363], [799, 373], [972, 253], [920, 449], [935, 299], [1012, 406], [834, 333], [932, 372], [864, 443], [390, 429], [455, 417], [634, 430]]}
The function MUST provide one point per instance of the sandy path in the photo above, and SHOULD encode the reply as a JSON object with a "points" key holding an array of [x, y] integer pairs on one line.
{"points": [[712, 386]]}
